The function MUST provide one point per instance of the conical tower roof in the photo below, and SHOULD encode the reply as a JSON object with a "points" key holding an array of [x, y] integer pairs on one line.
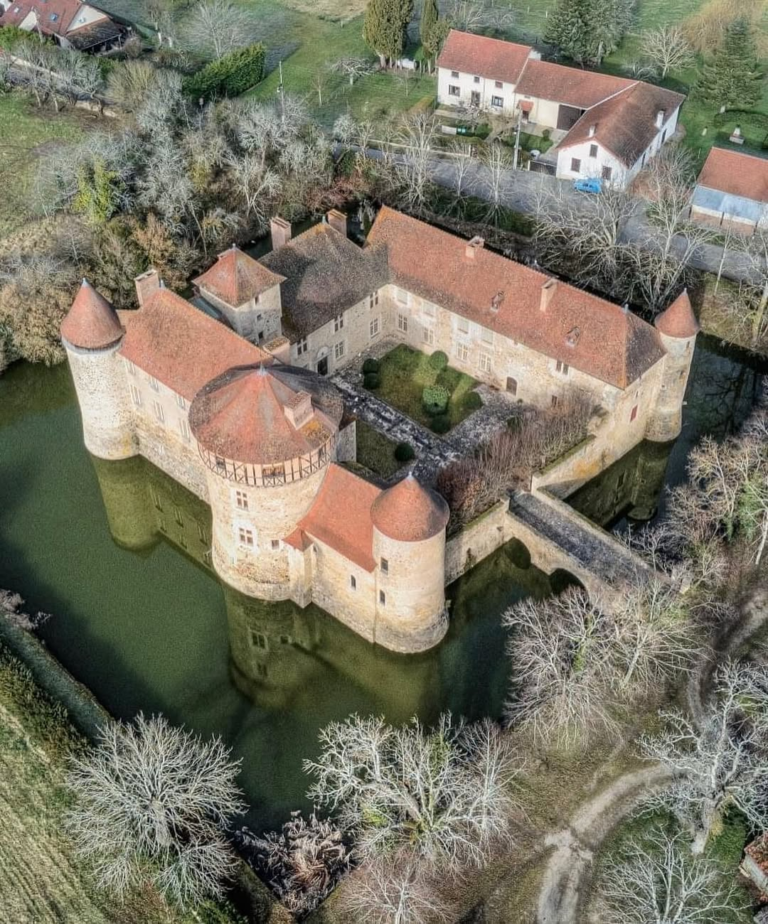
{"points": [[409, 512], [92, 322], [678, 320]]}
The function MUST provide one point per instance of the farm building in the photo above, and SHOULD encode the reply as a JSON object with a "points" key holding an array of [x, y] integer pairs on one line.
{"points": [[732, 192]]}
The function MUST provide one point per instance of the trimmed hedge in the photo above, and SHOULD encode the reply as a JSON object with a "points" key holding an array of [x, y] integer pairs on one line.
{"points": [[440, 424], [435, 399], [371, 365], [371, 381], [404, 452], [229, 76], [438, 360], [473, 401]]}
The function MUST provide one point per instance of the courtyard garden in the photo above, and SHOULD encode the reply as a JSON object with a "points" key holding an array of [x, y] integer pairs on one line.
{"points": [[378, 453], [423, 386]]}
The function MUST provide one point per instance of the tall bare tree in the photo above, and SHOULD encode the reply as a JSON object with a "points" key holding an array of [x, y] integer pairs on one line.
{"points": [[667, 49], [216, 27]]}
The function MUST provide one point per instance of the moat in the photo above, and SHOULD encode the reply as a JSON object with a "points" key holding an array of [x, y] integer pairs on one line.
{"points": [[117, 552]]}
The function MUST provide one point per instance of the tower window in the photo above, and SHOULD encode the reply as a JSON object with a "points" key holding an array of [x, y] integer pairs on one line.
{"points": [[184, 429], [382, 598], [275, 544], [553, 402], [130, 366], [241, 499], [158, 409], [245, 536], [136, 396], [153, 383], [384, 566], [259, 641], [181, 402], [353, 582], [633, 414]]}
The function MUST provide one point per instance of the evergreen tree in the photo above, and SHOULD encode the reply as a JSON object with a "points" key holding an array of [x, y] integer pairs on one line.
{"points": [[384, 29], [731, 77], [429, 17], [587, 30]]}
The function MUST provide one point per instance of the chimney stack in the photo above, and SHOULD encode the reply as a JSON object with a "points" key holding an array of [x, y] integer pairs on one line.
{"points": [[337, 220], [146, 286], [473, 246], [280, 230], [547, 293], [660, 117], [592, 130]]}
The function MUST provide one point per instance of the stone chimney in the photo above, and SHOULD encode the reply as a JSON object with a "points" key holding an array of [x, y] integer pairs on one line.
{"points": [[299, 409], [547, 294], [146, 286], [477, 243], [337, 220], [592, 130], [660, 117], [281, 232]]}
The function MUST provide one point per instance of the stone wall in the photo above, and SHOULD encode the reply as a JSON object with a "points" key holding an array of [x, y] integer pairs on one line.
{"points": [[258, 320], [479, 539]]}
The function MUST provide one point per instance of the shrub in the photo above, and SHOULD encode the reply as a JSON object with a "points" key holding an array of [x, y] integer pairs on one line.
{"points": [[438, 360], [371, 381], [12, 35], [441, 423], [435, 399], [473, 401], [229, 76], [371, 365], [404, 452]]}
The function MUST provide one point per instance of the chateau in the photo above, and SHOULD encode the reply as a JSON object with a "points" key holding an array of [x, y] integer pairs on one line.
{"points": [[231, 396]]}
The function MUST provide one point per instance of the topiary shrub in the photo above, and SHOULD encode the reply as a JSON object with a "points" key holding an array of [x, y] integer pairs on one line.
{"points": [[435, 399], [404, 452], [371, 381], [371, 365], [473, 401], [440, 424], [438, 360]]}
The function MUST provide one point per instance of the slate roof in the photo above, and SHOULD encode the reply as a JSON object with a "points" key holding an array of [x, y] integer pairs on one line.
{"points": [[341, 517], [236, 278], [590, 334], [569, 85], [678, 320], [180, 346], [486, 57], [625, 124], [409, 512], [91, 323], [325, 273], [736, 173]]}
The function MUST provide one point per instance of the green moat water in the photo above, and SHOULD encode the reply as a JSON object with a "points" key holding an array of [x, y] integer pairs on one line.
{"points": [[116, 552]]}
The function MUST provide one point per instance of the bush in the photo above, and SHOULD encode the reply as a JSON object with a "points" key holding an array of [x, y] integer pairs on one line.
{"points": [[12, 35], [435, 399], [438, 360], [440, 424], [229, 76], [404, 452], [473, 401], [371, 365], [371, 381]]}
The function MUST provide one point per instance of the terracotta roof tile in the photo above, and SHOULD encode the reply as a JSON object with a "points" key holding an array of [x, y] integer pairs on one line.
{"points": [[64, 11], [341, 517], [325, 274], [678, 320], [236, 278], [486, 57], [409, 512], [91, 323], [241, 415], [180, 345], [569, 85], [736, 173], [587, 332], [625, 124]]}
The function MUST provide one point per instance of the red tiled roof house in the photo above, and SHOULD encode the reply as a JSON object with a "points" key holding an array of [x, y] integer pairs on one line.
{"points": [[732, 192], [70, 23]]}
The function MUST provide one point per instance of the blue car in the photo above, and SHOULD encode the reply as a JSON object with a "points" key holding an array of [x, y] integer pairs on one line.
{"points": [[591, 185]]}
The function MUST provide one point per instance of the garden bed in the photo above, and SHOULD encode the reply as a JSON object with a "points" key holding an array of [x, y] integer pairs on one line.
{"points": [[375, 451]]}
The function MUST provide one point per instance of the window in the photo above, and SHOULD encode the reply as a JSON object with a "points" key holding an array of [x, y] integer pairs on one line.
{"points": [[402, 323], [261, 669], [258, 640], [241, 499], [338, 323], [382, 598], [286, 640], [208, 558], [561, 367], [462, 352], [302, 346], [664, 136], [221, 463], [159, 412], [373, 300], [453, 90], [607, 172], [275, 545], [428, 336], [485, 362], [633, 414], [499, 85], [384, 566], [374, 327], [497, 102], [202, 532], [131, 368], [136, 396], [53, 17], [177, 515], [593, 150], [155, 498], [454, 74], [486, 335], [245, 537], [553, 402], [353, 582], [428, 309], [153, 383], [184, 429], [575, 165], [511, 385], [462, 325], [181, 402], [338, 350], [402, 296], [476, 79]]}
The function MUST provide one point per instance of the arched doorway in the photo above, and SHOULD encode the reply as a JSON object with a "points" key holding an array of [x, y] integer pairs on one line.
{"points": [[321, 361]]}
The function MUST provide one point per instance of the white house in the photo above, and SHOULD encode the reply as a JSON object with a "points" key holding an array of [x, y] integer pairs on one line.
{"points": [[70, 23]]}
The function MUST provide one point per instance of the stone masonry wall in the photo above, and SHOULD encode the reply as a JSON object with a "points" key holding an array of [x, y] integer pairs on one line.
{"points": [[477, 541]]}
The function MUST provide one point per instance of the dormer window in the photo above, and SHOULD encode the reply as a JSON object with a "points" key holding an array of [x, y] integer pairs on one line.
{"points": [[455, 74], [476, 79], [53, 17], [496, 301], [572, 337]]}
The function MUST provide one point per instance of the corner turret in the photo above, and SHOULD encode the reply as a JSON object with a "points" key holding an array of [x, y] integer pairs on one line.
{"points": [[92, 335], [677, 328]]}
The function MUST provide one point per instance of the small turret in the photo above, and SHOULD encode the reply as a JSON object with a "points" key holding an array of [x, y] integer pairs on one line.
{"points": [[677, 328], [409, 523], [92, 335]]}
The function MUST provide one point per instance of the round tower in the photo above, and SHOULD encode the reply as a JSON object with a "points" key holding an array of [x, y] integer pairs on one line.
{"points": [[677, 327], [409, 523], [266, 437], [92, 334]]}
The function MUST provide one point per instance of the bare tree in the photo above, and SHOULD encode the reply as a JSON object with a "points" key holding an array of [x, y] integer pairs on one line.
{"points": [[476, 15], [416, 137], [256, 185], [11, 609], [497, 164], [353, 68], [753, 301], [657, 881], [667, 49], [304, 862], [444, 795], [152, 803], [461, 170], [216, 27], [722, 763]]}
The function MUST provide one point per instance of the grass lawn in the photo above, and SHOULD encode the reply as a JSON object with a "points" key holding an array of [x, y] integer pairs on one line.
{"points": [[404, 375], [375, 451], [25, 132]]}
